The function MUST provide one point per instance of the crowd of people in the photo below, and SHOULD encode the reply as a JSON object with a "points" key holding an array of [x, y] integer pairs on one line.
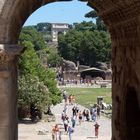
{"points": [[87, 82], [77, 117]]}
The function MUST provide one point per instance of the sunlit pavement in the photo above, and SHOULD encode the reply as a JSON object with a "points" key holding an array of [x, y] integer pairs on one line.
{"points": [[85, 131]]}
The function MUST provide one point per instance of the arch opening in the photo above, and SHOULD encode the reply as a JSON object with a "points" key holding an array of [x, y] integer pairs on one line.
{"points": [[110, 129]]}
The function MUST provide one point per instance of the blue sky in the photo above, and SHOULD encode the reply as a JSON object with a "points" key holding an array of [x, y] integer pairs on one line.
{"points": [[60, 12]]}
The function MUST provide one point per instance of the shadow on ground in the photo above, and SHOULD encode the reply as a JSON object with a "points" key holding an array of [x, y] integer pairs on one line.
{"points": [[91, 137]]}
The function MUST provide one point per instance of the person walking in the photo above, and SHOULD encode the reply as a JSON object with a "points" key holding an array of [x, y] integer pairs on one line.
{"points": [[80, 118], [74, 110], [84, 115], [65, 96], [65, 109], [60, 135], [98, 112], [94, 115], [73, 120], [63, 117], [87, 115], [66, 124], [96, 129], [55, 133], [70, 131]]}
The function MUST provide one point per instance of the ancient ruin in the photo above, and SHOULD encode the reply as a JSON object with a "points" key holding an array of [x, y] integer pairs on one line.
{"points": [[58, 28], [122, 18]]}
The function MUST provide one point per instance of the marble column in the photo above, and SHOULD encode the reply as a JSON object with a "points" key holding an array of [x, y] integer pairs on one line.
{"points": [[8, 91]]}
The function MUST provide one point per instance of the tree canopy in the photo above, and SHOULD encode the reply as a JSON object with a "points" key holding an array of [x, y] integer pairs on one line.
{"points": [[37, 84], [86, 44], [29, 33], [99, 22]]}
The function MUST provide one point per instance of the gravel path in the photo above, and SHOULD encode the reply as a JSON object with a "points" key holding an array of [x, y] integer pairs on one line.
{"points": [[85, 131]]}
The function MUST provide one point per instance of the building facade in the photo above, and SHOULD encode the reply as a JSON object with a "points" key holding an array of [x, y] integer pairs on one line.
{"points": [[58, 28]]}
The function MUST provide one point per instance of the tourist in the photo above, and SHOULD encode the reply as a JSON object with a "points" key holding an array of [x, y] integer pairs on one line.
{"points": [[87, 115], [70, 131], [91, 110], [84, 115], [60, 135], [77, 109], [96, 129], [65, 96], [48, 111], [63, 117], [67, 118], [74, 111], [73, 120], [94, 115], [98, 112], [66, 122], [80, 118], [65, 109], [55, 133]]}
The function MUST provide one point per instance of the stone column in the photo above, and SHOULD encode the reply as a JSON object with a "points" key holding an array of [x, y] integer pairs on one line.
{"points": [[8, 91], [126, 80]]}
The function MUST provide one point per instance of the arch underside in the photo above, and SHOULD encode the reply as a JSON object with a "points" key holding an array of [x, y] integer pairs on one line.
{"points": [[13, 14]]}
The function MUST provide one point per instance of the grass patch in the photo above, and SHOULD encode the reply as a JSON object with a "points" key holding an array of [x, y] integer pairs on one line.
{"points": [[87, 96]]}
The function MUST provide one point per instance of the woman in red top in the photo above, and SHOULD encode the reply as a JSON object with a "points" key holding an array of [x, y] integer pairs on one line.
{"points": [[55, 133]]}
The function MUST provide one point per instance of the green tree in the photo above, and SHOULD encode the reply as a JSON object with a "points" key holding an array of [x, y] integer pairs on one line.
{"points": [[37, 85], [31, 89], [29, 33], [85, 46], [99, 22], [43, 27], [54, 59], [69, 45], [84, 26]]}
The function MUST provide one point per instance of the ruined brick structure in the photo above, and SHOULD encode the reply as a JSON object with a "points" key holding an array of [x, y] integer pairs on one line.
{"points": [[123, 20]]}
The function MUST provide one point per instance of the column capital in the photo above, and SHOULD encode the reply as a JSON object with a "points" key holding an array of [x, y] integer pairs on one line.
{"points": [[8, 52], [8, 61]]}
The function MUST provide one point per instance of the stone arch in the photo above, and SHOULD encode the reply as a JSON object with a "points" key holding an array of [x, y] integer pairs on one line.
{"points": [[123, 20], [13, 14], [57, 29]]}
